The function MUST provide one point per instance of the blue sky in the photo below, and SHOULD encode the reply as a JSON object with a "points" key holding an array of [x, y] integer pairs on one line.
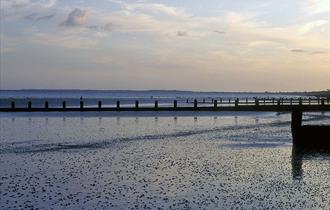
{"points": [[221, 45]]}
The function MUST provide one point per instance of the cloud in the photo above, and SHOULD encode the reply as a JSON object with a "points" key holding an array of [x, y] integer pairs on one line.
{"points": [[34, 17], [313, 7], [77, 17], [16, 9], [182, 33], [152, 8], [307, 27], [297, 50], [109, 27], [219, 32], [18, 4], [318, 52], [315, 52]]}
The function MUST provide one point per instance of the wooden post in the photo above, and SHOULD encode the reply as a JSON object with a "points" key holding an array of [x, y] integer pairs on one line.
{"points": [[296, 120], [236, 102], [290, 101], [278, 102], [257, 102], [246, 100], [46, 104], [195, 103], [81, 104], [264, 101], [309, 100], [156, 104], [136, 104], [204, 100], [187, 100], [99, 104], [64, 105], [212, 100], [175, 104], [300, 101], [118, 104], [220, 100], [322, 101], [29, 105], [13, 104], [215, 103]]}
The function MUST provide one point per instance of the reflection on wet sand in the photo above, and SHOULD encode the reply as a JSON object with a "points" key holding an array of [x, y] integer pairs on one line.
{"points": [[296, 161], [299, 154]]}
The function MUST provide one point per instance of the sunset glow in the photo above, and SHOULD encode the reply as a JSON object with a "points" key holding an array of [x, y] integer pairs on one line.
{"points": [[188, 45]]}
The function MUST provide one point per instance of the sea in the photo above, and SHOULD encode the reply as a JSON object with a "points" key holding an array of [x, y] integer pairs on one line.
{"points": [[153, 160]]}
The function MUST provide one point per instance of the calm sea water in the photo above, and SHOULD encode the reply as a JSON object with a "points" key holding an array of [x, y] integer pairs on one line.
{"points": [[151, 160]]}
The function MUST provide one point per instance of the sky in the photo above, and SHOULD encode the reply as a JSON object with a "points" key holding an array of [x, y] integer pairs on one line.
{"points": [[211, 45]]}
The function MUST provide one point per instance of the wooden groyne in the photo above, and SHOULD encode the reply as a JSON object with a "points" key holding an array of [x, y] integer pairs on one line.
{"points": [[269, 105], [309, 136]]}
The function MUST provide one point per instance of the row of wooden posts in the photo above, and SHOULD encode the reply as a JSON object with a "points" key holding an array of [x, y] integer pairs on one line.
{"points": [[215, 103]]}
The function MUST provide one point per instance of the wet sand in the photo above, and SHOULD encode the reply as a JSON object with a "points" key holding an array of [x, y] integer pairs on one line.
{"points": [[241, 161]]}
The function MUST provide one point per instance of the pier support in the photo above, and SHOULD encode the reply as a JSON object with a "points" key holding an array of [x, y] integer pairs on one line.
{"points": [[296, 120], [309, 136], [236, 102], [175, 104]]}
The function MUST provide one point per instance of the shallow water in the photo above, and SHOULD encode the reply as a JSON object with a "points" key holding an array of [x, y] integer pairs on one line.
{"points": [[119, 162]]}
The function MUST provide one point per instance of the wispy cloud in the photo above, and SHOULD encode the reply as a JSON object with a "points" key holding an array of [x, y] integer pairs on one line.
{"points": [[310, 26], [318, 52], [18, 4], [313, 7], [298, 50], [219, 32], [151, 8], [34, 17]]}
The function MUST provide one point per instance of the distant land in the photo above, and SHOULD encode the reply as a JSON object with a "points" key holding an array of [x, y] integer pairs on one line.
{"points": [[321, 93], [325, 93]]}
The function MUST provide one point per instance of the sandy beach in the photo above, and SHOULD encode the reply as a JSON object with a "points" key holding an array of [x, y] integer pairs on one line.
{"points": [[164, 162]]}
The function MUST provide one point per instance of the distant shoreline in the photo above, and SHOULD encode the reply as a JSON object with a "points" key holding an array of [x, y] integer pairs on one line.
{"points": [[325, 93], [173, 90]]}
